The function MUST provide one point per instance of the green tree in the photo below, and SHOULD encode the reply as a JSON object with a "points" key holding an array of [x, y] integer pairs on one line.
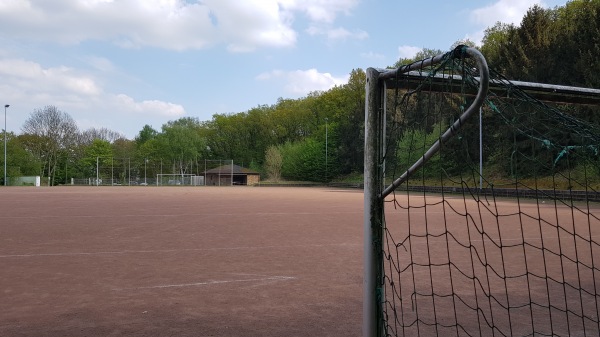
{"points": [[348, 127], [577, 44], [421, 55], [149, 155], [494, 40], [89, 135], [181, 143], [147, 133], [305, 161], [54, 133], [293, 120], [415, 142], [273, 163], [96, 155], [19, 161], [522, 53]]}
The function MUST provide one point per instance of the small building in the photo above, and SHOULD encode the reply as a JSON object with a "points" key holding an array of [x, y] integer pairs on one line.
{"points": [[227, 175]]}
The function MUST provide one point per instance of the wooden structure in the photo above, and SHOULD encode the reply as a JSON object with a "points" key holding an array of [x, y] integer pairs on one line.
{"points": [[227, 175]]}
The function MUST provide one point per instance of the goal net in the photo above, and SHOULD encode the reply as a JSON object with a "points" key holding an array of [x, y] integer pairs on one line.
{"points": [[482, 214], [110, 171], [179, 180]]}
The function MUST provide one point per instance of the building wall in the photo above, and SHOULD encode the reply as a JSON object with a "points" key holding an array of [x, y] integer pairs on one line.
{"points": [[213, 180], [253, 179]]}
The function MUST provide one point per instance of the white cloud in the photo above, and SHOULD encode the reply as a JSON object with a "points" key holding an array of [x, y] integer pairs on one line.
{"points": [[27, 85], [30, 77], [322, 14], [169, 24], [506, 11], [408, 52], [476, 37], [251, 23], [149, 107], [337, 33], [302, 82], [372, 55], [320, 10], [101, 63]]}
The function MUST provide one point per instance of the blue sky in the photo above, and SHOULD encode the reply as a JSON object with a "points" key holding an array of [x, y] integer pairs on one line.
{"points": [[121, 64]]}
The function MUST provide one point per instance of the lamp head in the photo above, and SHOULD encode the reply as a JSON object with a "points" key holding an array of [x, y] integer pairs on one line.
{"points": [[7, 105]]}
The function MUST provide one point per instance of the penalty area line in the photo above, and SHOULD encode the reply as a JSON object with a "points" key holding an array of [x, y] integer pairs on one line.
{"points": [[197, 284]]}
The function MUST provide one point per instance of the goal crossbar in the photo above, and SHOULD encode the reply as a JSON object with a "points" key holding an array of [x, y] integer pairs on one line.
{"points": [[541, 91]]}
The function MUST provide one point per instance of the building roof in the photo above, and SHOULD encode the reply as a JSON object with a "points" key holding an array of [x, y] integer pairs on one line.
{"points": [[226, 169]]}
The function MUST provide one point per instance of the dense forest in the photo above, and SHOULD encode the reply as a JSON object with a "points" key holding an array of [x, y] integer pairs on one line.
{"points": [[315, 138]]}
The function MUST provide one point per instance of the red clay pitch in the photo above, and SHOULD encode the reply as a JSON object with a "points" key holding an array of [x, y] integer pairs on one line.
{"points": [[180, 261], [242, 261]]}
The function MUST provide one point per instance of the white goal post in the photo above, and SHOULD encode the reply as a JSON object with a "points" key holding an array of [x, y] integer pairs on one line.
{"points": [[164, 179]]}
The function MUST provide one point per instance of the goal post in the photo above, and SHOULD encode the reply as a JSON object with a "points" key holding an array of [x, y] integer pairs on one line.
{"points": [[164, 179], [451, 251], [374, 173], [213, 173]]}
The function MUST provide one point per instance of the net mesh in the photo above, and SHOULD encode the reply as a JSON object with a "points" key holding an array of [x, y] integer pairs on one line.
{"points": [[512, 250], [178, 180], [111, 171]]}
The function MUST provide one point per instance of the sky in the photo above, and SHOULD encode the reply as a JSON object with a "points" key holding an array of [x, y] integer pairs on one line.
{"points": [[123, 64]]}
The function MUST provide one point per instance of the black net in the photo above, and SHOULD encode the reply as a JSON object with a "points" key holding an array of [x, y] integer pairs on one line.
{"points": [[498, 238]]}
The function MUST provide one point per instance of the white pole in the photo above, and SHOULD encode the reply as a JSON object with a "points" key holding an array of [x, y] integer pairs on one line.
{"points": [[97, 171], [326, 170], [480, 151], [145, 166], [5, 107]]}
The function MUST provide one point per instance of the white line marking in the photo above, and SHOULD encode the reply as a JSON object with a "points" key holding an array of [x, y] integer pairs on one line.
{"points": [[201, 215], [174, 250], [196, 284]]}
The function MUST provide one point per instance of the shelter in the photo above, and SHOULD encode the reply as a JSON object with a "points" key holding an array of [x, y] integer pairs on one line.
{"points": [[226, 175]]}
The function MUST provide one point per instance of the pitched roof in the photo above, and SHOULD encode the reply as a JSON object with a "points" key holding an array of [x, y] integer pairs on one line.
{"points": [[226, 169]]}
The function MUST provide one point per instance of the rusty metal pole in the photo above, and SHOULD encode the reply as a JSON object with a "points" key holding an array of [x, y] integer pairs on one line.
{"points": [[373, 209]]}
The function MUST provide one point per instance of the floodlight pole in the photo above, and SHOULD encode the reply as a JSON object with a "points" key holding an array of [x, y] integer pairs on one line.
{"points": [[480, 151], [97, 173], [5, 107], [326, 169], [145, 165]]}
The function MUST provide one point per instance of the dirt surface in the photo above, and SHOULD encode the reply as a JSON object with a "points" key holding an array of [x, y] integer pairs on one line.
{"points": [[275, 261], [180, 261]]}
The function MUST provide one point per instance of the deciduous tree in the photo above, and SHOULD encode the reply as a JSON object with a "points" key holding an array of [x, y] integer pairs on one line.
{"points": [[273, 162], [54, 132]]}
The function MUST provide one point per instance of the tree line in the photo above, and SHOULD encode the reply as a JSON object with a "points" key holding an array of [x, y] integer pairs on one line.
{"points": [[314, 138], [297, 130]]}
